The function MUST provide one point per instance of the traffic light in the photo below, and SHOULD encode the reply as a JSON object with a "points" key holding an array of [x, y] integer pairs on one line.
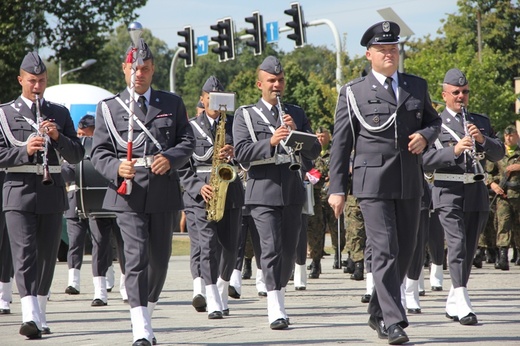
{"points": [[189, 46], [298, 24], [225, 39], [258, 32]]}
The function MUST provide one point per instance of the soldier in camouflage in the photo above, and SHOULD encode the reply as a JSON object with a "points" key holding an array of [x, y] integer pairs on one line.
{"points": [[323, 215], [507, 186]]}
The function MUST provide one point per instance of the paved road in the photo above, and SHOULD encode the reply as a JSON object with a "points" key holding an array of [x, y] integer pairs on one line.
{"points": [[329, 312]]}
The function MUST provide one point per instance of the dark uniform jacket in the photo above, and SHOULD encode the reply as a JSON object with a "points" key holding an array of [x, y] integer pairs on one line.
{"points": [[25, 191], [167, 120], [270, 184], [192, 181], [468, 197], [381, 169]]}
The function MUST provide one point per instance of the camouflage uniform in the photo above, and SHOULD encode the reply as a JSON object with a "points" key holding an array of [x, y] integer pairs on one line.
{"points": [[356, 236], [508, 209], [316, 226], [487, 239]]}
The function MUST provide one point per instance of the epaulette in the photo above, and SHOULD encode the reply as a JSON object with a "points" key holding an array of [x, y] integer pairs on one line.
{"points": [[355, 81], [166, 92], [248, 106], [56, 104], [480, 115], [7, 103], [111, 97]]}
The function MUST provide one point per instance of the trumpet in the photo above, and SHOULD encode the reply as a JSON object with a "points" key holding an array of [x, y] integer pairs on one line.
{"points": [[47, 178], [294, 164], [471, 157]]}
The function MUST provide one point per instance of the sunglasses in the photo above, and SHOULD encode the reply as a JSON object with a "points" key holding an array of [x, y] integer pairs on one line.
{"points": [[457, 92]]}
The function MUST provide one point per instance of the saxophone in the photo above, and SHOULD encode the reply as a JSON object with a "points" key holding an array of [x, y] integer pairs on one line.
{"points": [[222, 174]]}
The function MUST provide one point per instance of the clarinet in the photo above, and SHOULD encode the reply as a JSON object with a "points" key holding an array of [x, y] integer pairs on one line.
{"points": [[47, 179], [294, 164]]}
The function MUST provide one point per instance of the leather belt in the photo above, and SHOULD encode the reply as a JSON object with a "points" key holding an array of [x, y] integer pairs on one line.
{"points": [[38, 169], [142, 161], [466, 178]]}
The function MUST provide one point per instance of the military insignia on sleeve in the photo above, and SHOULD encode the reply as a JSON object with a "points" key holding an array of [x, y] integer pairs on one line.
{"points": [[376, 119]]}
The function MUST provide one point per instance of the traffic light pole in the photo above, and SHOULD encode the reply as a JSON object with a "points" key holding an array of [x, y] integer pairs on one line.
{"points": [[173, 65], [337, 40]]}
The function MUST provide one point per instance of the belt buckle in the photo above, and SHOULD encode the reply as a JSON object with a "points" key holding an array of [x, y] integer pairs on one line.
{"points": [[468, 178], [148, 160], [39, 169]]}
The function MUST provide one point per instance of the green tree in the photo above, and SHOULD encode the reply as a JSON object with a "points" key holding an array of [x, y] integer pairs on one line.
{"points": [[73, 30]]}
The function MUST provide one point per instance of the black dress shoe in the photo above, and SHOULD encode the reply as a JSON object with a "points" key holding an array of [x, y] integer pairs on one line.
{"points": [[71, 290], [436, 288], [5, 311], [300, 288], [349, 266], [377, 324], [98, 302], [232, 292], [215, 315], [225, 312], [414, 311], [280, 323], [469, 319], [262, 294], [365, 298], [358, 271], [46, 330], [396, 335], [422, 293], [199, 303], [454, 318], [30, 330], [141, 342], [154, 341]]}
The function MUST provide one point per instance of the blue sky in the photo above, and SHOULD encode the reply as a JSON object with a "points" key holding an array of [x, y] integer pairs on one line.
{"points": [[351, 18]]}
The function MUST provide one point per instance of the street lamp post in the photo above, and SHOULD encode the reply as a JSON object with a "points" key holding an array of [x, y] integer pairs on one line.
{"points": [[85, 64]]}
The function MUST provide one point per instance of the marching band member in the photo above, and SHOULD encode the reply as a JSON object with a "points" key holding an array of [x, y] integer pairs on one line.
{"points": [[274, 192], [34, 196], [163, 144]]}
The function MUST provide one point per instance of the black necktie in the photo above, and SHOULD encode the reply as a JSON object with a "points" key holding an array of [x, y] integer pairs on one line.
{"points": [[142, 104], [390, 87], [274, 109], [33, 109], [214, 128], [458, 116]]}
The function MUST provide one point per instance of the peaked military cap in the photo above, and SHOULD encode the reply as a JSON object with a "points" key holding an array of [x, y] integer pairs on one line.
{"points": [[33, 64], [271, 65], [146, 53], [381, 33], [455, 77], [87, 121], [212, 84]]}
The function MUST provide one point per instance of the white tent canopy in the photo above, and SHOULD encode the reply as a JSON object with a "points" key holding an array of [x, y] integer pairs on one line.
{"points": [[80, 99]]}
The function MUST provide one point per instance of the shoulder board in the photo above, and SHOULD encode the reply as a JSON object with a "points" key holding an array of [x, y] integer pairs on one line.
{"points": [[7, 103], [291, 105], [56, 104], [355, 81], [248, 106], [479, 115], [111, 97], [166, 92], [407, 75]]}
